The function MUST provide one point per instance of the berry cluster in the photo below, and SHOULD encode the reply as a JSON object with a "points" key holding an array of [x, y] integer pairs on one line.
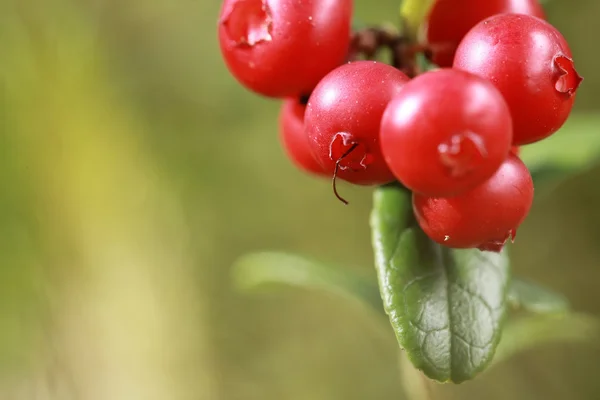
{"points": [[506, 78]]}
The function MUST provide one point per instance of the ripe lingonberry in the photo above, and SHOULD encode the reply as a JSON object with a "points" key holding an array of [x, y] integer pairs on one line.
{"points": [[450, 20], [484, 217], [529, 61], [343, 117], [282, 48], [293, 137], [446, 132]]}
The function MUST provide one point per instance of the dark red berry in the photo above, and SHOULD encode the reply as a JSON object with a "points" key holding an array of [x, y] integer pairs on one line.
{"points": [[529, 61], [282, 48], [294, 139], [446, 132], [450, 20], [485, 217], [343, 118]]}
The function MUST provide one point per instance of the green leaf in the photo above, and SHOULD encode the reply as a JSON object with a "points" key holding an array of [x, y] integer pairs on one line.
{"points": [[572, 150], [268, 268], [413, 14], [446, 306], [532, 297], [539, 330]]}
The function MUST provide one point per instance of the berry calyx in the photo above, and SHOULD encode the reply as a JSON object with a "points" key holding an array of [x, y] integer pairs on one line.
{"points": [[248, 23], [282, 48], [568, 79], [343, 116], [530, 62], [293, 137], [484, 217], [446, 132], [450, 20]]}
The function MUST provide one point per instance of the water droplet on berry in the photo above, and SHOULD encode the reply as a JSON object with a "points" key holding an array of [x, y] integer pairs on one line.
{"points": [[248, 22], [340, 151], [568, 79], [462, 153]]}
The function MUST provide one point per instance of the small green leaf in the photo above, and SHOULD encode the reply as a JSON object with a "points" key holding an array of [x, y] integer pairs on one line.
{"points": [[532, 297], [267, 268], [572, 150], [446, 306], [413, 14], [538, 330]]}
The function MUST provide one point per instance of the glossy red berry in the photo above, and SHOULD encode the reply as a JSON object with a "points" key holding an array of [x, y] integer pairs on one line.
{"points": [[450, 20], [282, 48], [529, 61], [446, 132], [485, 217], [343, 118], [294, 139]]}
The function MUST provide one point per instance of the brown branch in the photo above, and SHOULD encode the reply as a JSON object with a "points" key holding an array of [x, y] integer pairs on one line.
{"points": [[370, 41]]}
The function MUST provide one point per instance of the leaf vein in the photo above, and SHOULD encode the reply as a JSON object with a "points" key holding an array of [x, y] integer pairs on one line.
{"points": [[477, 296], [470, 344]]}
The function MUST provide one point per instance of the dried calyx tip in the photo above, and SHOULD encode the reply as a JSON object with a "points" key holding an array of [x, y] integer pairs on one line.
{"points": [[335, 172]]}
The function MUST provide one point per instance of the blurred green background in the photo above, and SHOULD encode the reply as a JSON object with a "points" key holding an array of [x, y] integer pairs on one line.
{"points": [[134, 170]]}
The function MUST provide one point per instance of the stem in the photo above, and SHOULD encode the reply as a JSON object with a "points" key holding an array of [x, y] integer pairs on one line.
{"points": [[413, 13], [369, 41]]}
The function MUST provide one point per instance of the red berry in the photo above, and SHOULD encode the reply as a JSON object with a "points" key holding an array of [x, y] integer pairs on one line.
{"points": [[343, 117], [294, 139], [529, 61], [282, 48], [450, 20], [516, 150], [446, 132], [485, 217]]}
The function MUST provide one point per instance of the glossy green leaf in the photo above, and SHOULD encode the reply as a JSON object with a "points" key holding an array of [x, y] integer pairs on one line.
{"points": [[539, 330], [532, 297], [275, 268], [572, 150], [446, 306]]}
